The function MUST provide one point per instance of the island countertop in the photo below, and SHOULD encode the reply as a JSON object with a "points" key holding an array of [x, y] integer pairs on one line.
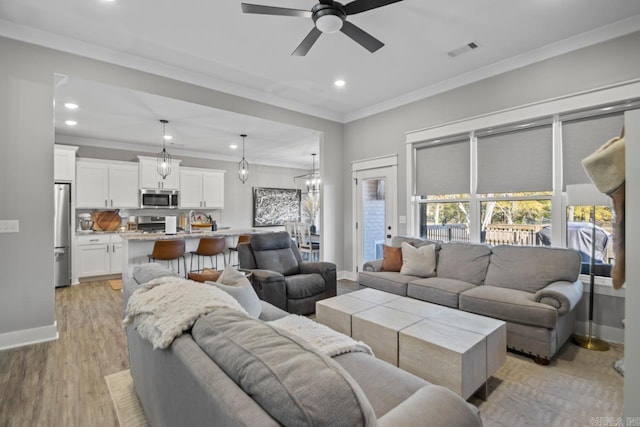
{"points": [[230, 232]]}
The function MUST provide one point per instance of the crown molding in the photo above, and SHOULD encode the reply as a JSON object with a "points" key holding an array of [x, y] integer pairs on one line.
{"points": [[66, 44], [175, 151], [599, 35], [73, 46]]}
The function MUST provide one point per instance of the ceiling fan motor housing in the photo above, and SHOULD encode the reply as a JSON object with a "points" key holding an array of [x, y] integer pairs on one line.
{"points": [[328, 18]]}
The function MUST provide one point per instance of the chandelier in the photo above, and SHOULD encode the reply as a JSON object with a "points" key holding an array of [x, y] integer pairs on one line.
{"points": [[243, 165], [164, 158], [313, 184]]}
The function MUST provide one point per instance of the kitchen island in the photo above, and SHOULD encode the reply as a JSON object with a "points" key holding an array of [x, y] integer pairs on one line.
{"points": [[137, 246]]}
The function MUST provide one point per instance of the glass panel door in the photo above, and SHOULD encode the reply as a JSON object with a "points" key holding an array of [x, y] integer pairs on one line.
{"points": [[375, 220]]}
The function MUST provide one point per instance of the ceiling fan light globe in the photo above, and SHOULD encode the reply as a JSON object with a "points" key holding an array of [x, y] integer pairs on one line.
{"points": [[329, 23]]}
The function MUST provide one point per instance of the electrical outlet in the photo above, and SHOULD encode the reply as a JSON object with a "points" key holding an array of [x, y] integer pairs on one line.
{"points": [[10, 226], [402, 219]]}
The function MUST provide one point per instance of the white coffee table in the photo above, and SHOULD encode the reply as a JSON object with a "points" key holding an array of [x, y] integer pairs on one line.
{"points": [[448, 347]]}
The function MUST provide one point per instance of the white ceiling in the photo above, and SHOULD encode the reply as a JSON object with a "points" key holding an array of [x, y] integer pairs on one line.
{"points": [[120, 118], [215, 45]]}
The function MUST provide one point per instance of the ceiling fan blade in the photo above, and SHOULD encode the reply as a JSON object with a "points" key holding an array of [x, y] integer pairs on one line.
{"points": [[358, 6], [327, 2], [270, 10], [308, 41], [365, 39]]}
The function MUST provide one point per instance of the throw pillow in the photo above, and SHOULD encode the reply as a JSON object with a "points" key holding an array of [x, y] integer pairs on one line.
{"points": [[419, 262], [238, 286], [392, 258]]}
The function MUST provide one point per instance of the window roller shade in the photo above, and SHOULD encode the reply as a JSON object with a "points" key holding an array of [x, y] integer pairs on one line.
{"points": [[580, 138], [443, 169], [519, 161]]}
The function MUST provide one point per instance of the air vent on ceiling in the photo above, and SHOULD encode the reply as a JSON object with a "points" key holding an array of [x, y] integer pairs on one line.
{"points": [[464, 49]]}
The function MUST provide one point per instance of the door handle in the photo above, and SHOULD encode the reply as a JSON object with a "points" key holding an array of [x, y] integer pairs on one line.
{"points": [[388, 236]]}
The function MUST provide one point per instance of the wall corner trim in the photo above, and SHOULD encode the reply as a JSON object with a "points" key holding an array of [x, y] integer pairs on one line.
{"points": [[29, 336]]}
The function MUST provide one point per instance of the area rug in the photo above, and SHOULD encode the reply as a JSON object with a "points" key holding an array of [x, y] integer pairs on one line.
{"points": [[125, 401], [580, 387], [116, 284]]}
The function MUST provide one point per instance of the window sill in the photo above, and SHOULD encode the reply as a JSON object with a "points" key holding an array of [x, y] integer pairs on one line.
{"points": [[602, 286]]}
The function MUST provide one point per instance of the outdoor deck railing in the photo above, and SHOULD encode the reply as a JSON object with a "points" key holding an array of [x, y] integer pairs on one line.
{"points": [[495, 234]]}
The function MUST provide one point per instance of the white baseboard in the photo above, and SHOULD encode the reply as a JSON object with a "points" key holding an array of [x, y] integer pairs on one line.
{"points": [[606, 333], [29, 336], [347, 275]]}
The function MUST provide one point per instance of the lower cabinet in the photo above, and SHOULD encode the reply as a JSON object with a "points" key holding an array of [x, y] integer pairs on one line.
{"points": [[98, 255]]}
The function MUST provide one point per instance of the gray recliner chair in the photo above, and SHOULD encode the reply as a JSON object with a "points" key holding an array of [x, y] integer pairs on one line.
{"points": [[281, 278]]}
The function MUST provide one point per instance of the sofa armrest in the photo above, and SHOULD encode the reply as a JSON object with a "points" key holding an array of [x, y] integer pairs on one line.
{"points": [[270, 287], [373, 265], [328, 272], [561, 295], [436, 404]]}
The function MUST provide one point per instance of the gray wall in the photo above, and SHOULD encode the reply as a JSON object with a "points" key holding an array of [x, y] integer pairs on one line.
{"points": [[26, 167], [384, 133]]}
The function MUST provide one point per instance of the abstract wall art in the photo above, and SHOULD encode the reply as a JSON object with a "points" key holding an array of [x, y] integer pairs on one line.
{"points": [[275, 206]]}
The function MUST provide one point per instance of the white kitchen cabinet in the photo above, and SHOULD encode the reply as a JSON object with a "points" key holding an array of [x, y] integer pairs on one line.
{"points": [[105, 184], [150, 178], [64, 162], [98, 255], [201, 188]]}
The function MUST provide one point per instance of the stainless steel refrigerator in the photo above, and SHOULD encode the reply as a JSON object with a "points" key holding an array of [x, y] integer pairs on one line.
{"points": [[62, 235]]}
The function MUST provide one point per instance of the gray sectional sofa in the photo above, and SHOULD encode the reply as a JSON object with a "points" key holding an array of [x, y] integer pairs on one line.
{"points": [[230, 369], [535, 290]]}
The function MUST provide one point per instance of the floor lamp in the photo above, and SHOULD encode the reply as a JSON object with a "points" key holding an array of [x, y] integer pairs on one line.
{"points": [[588, 195]]}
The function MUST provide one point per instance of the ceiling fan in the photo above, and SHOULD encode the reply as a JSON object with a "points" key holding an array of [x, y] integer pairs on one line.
{"points": [[328, 17]]}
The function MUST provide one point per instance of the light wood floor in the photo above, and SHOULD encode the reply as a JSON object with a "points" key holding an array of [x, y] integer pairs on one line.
{"points": [[61, 383]]}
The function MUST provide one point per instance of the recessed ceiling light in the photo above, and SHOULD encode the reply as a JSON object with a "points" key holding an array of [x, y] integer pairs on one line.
{"points": [[339, 83], [168, 137], [71, 122], [233, 146], [70, 106]]}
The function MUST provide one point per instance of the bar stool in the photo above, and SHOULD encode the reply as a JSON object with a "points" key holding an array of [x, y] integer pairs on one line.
{"points": [[243, 238], [168, 250], [211, 247]]}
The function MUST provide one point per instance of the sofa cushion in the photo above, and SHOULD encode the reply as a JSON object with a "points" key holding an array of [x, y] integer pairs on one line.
{"points": [[147, 272], [387, 281], [464, 261], [438, 290], [420, 261], [238, 286], [510, 305], [294, 383], [282, 261], [392, 258], [304, 285], [414, 241], [531, 268]]}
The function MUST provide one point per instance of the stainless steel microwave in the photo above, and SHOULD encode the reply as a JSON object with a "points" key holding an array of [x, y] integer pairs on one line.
{"points": [[159, 199]]}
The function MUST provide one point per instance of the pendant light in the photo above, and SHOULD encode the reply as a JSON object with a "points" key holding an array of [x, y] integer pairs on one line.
{"points": [[243, 165], [164, 158], [313, 184]]}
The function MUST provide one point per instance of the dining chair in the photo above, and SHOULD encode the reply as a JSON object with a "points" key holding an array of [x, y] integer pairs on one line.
{"points": [[306, 244]]}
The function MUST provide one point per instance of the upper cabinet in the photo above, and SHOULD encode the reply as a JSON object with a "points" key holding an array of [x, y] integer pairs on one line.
{"points": [[64, 162], [150, 178], [106, 184], [201, 188]]}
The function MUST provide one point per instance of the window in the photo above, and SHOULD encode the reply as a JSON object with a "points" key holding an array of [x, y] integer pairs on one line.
{"points": [[580, 235], [445, 218], [515, 219]]}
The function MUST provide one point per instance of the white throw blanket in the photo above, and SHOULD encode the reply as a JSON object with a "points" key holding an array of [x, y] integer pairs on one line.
{"points": [[163, 308], [320, 337]]}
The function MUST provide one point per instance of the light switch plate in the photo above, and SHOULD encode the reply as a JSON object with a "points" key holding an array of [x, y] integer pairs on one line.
{"points": [[402, 219], [10, 226]]}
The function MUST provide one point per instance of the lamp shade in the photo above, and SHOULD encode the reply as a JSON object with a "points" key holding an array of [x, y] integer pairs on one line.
{"points": [[586, 195]]}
